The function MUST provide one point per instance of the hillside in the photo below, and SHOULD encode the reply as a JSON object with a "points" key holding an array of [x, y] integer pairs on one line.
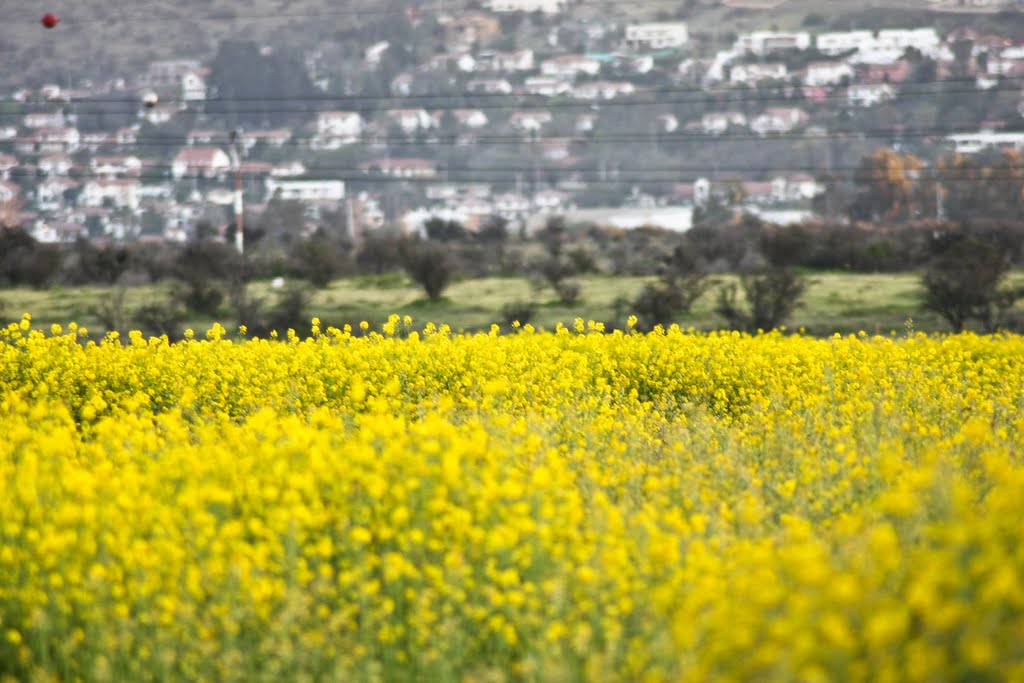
{"points": [[100, 40]]}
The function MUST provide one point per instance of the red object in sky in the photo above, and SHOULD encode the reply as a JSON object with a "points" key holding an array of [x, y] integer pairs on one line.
{"points": [[49, 20]]}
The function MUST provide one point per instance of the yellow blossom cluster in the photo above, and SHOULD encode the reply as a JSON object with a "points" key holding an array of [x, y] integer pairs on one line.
{"points": [[417, 505]]}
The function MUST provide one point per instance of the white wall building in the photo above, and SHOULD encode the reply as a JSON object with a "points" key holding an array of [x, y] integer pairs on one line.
{"points": [[972, 143], [570, 66], [122, 192], [764, 42], [656, 36], [306, 190], [924, 39], [869, 94], [752, 74], [338, 128], [827, 73], [778, 120], [718, 122], [837, 43], [545, 6]]}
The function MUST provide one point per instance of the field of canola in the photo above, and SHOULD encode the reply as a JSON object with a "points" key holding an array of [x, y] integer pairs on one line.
{"points": [[568, 506]]}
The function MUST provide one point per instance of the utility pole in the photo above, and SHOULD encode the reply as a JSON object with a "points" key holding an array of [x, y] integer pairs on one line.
{"points": [[239, 205]]}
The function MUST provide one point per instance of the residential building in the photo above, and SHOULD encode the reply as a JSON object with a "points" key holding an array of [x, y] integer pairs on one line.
{"points": [[49, 140], [656, 36], [472, 27], [7, 162], [410, 120], [550, 201], [44, 119], [306, 189], [765, 42], [206, 162], [546, 86], [193, 85], [972, 143], [778, 120], [718, 122], [489, 86], [896, 72], [505, 62], [204, 137], [827, 73], [8, 191], [50, 193], [55, 164], [511, 206], [837, 43], [570, 66], [169, 72], [335, 128], [796, 187], [122, 192], [869, 94], [529, 121], [926, 40], [752, 74], [527, 6], [113, 166], [602, 90], [401, 168]]}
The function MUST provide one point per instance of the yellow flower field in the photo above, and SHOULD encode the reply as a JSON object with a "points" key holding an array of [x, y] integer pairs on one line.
{"points": [[418, 505]]}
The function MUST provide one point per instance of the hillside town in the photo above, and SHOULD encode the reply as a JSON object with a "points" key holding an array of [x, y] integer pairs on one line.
{"points": [[588, 120]]}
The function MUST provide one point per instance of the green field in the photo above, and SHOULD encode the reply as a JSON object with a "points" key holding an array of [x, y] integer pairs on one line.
{"points": [[834, 302]]}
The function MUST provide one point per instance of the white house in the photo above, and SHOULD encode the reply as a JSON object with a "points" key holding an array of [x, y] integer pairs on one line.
{"points": [[529, 121], [656, 36], [505, 62], [528, 6], [401, 168], [55, 164], [924, 39], [752, 74], [50, 193], [972, 143], [470, 118], [798, 187], [193, 86], [869, 94], [546, 86], [123, 192], [306, 190], [838, 42], [570, 66], [58, 140], [764, 42], [511, 206], [550, 201], [602, 90], [827, 73], [718, 122], [342, 127], [44, 119], [410, 120], [128, 164], [200, 161], [778, 120]]}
